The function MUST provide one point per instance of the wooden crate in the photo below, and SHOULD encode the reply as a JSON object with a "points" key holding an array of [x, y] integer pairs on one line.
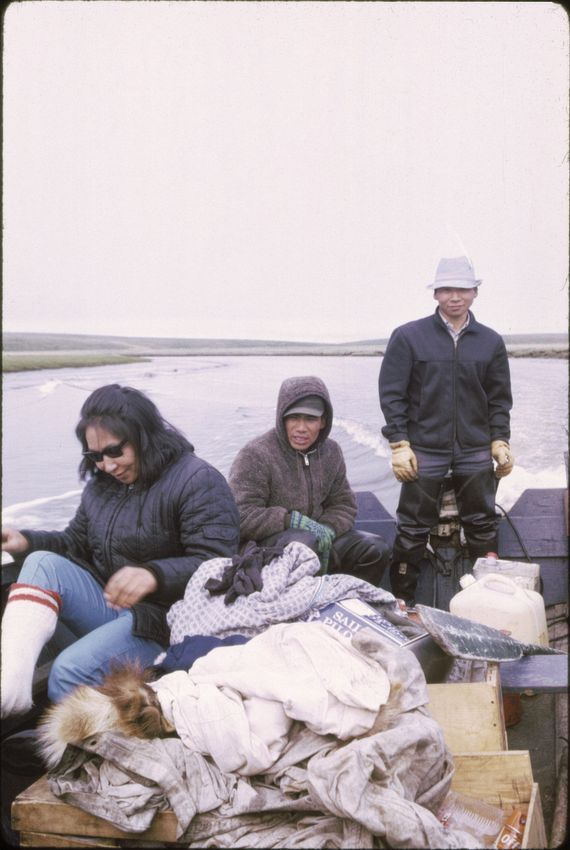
{"points": [[43, 820], [500, 778], [470, 714], [503, 779]]}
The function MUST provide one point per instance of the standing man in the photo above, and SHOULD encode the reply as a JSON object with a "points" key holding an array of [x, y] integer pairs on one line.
{"points": [[445, 393], [290, 484]]}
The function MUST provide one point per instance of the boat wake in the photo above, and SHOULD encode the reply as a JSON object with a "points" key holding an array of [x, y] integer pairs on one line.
{"points": [[364, 436], [521, 479], [33, 513], [49, 387]]}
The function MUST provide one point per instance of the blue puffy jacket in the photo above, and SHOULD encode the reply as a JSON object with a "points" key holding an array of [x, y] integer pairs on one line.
{"points": [[433, 393]]}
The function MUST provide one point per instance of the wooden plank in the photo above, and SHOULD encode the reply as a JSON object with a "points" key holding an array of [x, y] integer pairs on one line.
{"points": [[492, 675], [554, 575], [37, 806], [535, 831], [540, 673], [557, 621], [543, 536], [470, 715], [541, 501], [48, 839], [560, 819], [501, 778]]}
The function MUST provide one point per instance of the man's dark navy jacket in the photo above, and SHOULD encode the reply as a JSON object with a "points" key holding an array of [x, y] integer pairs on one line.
{"points": [[434, 393]]}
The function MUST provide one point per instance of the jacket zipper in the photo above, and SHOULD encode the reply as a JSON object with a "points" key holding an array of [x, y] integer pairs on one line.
{"points": [[309, 478], [454, 384], [455, 344], [454, 391], [112, 521]]}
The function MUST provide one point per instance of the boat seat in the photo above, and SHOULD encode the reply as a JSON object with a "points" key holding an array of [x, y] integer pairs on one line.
{"points": [[540, 673]]}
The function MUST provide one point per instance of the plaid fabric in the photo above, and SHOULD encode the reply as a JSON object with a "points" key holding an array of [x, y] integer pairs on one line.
{"points": [[291, 588]]}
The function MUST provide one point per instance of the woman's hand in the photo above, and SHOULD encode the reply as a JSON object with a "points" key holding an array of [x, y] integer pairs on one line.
{"points": [[128, 586], [14, 542]]}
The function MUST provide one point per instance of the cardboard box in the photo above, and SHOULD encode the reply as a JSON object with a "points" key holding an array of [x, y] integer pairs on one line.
{"points": [[349, 616]]}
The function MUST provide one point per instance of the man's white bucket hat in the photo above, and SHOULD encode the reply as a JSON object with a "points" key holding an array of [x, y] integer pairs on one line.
{"points": [[455, 272]]}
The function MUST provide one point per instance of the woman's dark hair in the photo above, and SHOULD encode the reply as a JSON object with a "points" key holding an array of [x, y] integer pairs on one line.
{"points": [[129, 414]]}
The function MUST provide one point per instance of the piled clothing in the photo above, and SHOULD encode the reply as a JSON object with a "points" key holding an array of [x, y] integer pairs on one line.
{"points": [[298, 738], [237, 704], [291, 588]]}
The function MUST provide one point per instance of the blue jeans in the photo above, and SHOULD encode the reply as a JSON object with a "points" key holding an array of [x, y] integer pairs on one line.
{"points": [[104, 636], [436, 464], [474, 483]]}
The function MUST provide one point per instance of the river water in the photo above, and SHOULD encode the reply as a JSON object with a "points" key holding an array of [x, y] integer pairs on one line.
{"points": [[222, 402]]}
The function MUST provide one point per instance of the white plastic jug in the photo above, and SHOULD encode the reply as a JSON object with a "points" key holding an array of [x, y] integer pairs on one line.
{"points": [[498, 601]]}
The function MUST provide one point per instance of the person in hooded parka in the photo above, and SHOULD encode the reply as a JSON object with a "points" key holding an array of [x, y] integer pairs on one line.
{"points": [[290, 484]]}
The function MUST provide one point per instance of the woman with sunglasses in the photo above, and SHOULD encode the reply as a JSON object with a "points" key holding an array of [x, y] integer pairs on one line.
{"points": [[150, 514]]}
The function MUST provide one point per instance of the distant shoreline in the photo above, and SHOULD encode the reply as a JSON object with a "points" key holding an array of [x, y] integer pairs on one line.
{"points": [[24, 351], [25, 361]]}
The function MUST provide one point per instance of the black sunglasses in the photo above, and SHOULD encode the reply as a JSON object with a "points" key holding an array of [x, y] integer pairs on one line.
{"points": [[110, 451]]}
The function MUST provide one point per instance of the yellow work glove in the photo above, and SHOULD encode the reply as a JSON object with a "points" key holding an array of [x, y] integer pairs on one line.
{"points": [[503, 457], [404, 463]]}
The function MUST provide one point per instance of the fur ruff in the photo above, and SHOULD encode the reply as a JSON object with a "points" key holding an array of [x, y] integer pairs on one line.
{"points": [[123, 703]]}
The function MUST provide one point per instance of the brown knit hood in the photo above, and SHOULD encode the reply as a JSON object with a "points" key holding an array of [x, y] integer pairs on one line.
{"points": [[270, 479], [291, 390]]}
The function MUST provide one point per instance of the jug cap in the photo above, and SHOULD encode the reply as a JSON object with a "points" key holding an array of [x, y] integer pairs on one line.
{"points": [[467, 580]]}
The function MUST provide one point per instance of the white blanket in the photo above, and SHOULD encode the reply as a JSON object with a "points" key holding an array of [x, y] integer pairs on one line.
{"points": [[237, 703]]}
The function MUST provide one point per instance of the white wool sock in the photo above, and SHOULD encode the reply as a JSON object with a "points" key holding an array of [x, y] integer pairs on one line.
{"points": [[29, 621]]}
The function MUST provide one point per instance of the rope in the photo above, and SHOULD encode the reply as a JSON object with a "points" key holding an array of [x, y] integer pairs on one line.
{"points": [[516, 533]]}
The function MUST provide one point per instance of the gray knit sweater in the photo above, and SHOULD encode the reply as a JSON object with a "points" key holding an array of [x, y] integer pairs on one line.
{"points": [[269, 478]]}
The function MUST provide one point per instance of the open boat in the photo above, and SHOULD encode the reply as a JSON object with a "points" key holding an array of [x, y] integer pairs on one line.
{"points": [[531, 756]]}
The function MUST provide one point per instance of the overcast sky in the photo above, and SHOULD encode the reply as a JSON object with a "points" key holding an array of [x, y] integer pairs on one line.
{"points": [[285, 170]]}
